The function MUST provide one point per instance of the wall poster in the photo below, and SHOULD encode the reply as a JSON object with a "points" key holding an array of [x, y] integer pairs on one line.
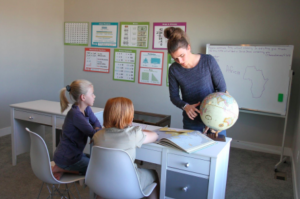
{"points": [[151, 67], [104, 34], [170, 61], [96, 60], [124, 65], [159, 40], [76, 33], [134, 34]]}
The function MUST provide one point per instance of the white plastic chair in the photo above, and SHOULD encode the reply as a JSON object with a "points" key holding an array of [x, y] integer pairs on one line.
{"points": [[111, 174], [41, 166]]}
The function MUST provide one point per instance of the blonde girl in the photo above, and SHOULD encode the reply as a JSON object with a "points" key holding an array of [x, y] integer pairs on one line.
{"points": [[80, 123]]}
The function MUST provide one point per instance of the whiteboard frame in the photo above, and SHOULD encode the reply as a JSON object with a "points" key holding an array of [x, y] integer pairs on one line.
{"points": [[259, 112], [285, 116]]}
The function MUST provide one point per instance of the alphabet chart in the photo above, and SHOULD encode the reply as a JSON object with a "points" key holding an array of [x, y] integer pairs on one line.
{"points": [[151, 67], [134, 34], [96, 60], [124, 65], [159, 40], [76, 33]]}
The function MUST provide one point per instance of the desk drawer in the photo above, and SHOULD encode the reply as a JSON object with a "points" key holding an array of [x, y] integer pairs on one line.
{"points": [[33, 117], [182, 186], [188, 164]]}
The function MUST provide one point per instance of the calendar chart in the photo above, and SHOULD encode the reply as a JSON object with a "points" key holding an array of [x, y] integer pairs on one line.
{"points": [[124, 65]]}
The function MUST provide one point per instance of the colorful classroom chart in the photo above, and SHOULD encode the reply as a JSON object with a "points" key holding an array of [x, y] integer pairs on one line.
{"points": [[76, 33], [170, 62], [124, 65], [104, 34], [151, 67], [159, 40], [96, 60], [134, 34]]}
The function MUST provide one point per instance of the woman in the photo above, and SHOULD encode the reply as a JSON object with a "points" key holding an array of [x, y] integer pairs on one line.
{"points": [[197, 75]]}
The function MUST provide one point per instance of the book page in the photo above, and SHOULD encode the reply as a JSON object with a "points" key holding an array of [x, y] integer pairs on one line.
{"points": [[188, 141]]}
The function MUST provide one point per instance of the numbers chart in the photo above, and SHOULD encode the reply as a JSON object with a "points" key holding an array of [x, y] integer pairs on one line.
{"points": [[124, 65], [76, 33]]}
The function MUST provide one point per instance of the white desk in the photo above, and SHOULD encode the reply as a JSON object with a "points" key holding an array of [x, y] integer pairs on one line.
{"points": [[202, 174], [34, 115]]}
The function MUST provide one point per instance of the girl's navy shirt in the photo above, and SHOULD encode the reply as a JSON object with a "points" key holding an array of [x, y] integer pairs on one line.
{"points": [[75, 131]]}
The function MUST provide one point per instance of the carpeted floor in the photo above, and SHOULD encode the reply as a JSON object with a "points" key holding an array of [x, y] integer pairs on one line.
{"points": [[250, 176]]}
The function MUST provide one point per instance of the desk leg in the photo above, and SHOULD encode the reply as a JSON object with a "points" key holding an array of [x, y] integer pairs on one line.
{"points": [[53, 134], [163, 174]]}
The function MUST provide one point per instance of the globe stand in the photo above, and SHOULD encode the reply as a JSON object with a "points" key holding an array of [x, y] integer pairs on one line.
{"points": [[216, 137]]}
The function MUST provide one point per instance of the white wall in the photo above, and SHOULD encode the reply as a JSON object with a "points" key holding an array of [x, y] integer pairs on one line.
{"points": [[31, 52], [274, 22], [216, 22]]}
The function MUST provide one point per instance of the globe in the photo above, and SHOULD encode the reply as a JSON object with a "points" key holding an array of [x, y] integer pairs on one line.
{"points": [[219, 111]]}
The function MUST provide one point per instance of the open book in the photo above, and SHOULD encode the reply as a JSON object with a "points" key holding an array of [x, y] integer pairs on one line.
{"points": [[185, 140]]}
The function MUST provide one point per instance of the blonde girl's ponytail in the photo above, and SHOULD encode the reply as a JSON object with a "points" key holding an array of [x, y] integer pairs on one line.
{"points": [[75, 89], [64, 103]]}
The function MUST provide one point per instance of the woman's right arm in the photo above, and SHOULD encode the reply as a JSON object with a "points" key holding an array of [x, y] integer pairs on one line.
{"points": [[150, 136]]}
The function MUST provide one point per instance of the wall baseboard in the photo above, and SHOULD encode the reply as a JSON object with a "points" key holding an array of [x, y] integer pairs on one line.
{"points": [[261, 147], [5, 131]]}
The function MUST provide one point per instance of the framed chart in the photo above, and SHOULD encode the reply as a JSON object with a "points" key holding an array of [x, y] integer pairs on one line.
{"points": [[124, 65], [151, 67], [76, 33], [96, 60], [159, 41], [134, 34], [104, 34]]}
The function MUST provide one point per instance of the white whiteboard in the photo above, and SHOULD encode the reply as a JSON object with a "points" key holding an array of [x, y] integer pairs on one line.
{"points": [[256, 76]]}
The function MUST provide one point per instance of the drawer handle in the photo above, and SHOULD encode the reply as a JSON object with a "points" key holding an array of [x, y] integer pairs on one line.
{"points": [[31, 118], [187, 165], [185, 189]]}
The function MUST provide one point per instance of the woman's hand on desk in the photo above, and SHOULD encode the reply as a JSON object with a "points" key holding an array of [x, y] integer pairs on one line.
{"points": [[191, 110]]}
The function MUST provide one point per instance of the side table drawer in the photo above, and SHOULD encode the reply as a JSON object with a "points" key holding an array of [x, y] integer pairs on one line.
{"points": [[33, 117], [188, 164], [182, 186]]}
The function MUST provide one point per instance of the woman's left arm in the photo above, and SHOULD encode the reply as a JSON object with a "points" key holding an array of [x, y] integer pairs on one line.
{"points": [[217, 75]]}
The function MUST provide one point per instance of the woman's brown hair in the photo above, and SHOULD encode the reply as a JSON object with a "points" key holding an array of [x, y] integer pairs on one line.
{"points": [[176, 39], [118, 113]]}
